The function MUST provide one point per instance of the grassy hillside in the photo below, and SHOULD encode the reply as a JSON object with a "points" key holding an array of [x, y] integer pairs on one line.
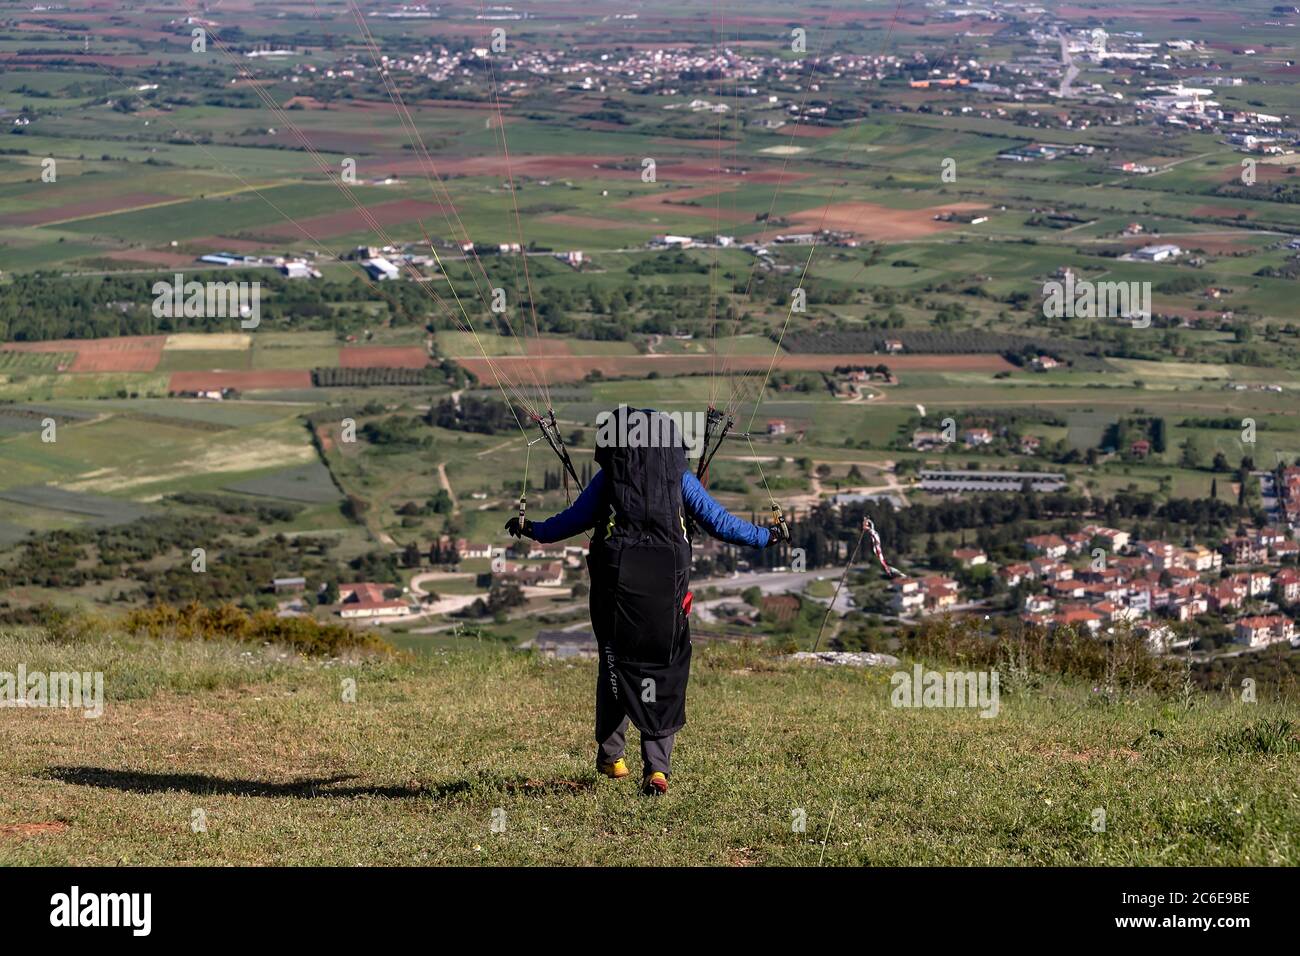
{"points": [[286, 771]]}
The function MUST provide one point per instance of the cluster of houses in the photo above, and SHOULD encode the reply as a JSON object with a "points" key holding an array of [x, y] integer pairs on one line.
{"points": [[825, 237], [657, 69], [555, 558], [932, 594], [923, 440], [380, 263], [1139, 582], [853, 383]]}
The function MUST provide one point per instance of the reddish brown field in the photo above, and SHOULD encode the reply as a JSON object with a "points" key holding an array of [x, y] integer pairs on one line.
{"points": [[872, 221], [132, 353], [557, 369], [670, 170], [129, 360], [228, 244], [125, 343], [1221, 212], [351, 220], [1264, 172], [83, 210], [380, 356], [551, 347], [714, 144], [1154, 14], [464, 106], [242, 380], [806, 131], [672, 200], [150, 257]]}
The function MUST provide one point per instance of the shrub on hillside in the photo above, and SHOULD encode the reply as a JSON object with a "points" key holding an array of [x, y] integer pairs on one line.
{"points": [[226, 621], [1118, 661]]}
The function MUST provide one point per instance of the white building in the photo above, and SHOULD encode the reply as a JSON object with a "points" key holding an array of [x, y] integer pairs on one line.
{"points": [[298, 270], [1158, 253], [380, 269]]}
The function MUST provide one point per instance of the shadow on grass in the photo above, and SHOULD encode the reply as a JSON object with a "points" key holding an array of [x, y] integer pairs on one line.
{"points": [[312, 788]]}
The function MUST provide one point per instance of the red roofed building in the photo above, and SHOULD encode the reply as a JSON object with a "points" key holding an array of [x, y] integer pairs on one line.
{"points": [[1287, 584], [1057, 571], [908, 595], [1077, 540], [1243, 549], [1048, 545], [1162, 554], [1112, 539], [1226, 597], [1013, 574], [1110, 610], [1067, 589], [1257, 583], [366, 599], [940, 592], [1269, 629], [1078, 616]]}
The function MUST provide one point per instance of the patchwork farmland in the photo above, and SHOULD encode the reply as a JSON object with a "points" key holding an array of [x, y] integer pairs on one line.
{"points": [[985, 313]]}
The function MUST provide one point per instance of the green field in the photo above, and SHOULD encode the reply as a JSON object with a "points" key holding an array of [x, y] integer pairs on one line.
{"points": [[414, 770], [309, 484]]}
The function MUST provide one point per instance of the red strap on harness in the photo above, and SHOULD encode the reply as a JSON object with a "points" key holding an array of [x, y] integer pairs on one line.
{"points": [[687, 602]]}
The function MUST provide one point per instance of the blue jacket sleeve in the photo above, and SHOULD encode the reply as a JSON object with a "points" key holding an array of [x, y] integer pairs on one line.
{"points": [[578, 517], [716, 520]]}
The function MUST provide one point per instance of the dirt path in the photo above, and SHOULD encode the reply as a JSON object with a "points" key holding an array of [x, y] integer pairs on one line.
{"points": [[488, 451], [446, 486]]}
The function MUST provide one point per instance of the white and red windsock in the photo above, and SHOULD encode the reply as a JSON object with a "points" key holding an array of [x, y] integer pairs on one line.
{"points": [[870, 529]]}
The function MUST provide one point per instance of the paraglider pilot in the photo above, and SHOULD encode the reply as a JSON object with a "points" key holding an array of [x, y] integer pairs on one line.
{"points": [[637, 506]]}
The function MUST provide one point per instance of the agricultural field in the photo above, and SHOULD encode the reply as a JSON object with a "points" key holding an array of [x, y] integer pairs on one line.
{"points": [[984, 314], [835, 269]]}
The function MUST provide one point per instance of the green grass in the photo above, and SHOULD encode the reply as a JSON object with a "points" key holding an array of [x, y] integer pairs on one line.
{"points": [[202, 360], [310, 484], [108, 456], [412, 772], [40, 388], [314, 356], [38, 362]]}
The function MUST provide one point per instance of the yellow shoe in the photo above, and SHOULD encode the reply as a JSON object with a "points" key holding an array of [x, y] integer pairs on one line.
{"points": [[655, 785], [616, 770]]}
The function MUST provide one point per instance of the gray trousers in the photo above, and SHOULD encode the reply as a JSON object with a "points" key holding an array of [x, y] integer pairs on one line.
{"points": [[656, 752], [611, 731]]}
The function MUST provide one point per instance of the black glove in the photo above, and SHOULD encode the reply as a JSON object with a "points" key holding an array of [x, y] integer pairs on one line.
{"points": [[518, 530], [777, 533]]}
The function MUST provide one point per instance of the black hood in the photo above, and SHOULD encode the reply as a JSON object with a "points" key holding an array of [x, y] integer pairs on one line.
{"points": [[640, 431]]}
